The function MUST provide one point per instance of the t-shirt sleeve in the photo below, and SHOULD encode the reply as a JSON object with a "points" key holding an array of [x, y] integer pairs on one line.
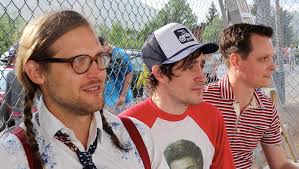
{"points": [[273, 134], [223, 157]]}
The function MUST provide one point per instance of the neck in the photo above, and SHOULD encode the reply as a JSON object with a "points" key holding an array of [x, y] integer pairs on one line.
{"points": [[168, 104], [243, 93], [79, 124]]}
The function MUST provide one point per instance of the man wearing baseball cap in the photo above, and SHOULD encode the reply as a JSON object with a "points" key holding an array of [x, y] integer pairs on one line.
{"points": [[175, 110]]}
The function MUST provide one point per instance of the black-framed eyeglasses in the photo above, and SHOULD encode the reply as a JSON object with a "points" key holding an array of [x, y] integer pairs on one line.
{"points": [[82, 63]]}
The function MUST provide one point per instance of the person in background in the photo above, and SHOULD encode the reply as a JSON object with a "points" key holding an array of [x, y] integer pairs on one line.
{"points": [[142, 82], [13, 102], [250, 116], [292, 57], [175, 109], [118, 94], [60, 55]]}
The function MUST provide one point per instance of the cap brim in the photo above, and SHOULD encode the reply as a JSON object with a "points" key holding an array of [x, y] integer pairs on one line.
{"points": [[204, 48]]}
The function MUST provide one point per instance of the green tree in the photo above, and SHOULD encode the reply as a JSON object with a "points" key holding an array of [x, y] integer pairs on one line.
{"points": [[174, 11], [211, 30], [120, 36], [212, 26], [9, 30], [212, 13]]}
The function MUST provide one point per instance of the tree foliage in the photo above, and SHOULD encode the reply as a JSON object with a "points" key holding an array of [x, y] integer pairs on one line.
{"points": [[211, 30], [174, 11], [121, 36], [9, 30], [213, 26], [212, 13]]}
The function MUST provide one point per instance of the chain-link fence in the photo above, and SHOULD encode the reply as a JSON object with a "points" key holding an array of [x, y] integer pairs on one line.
{"points": [[127, 23]]}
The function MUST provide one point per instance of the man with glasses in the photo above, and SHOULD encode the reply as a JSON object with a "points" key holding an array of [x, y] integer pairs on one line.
{"points": [[118, 94], [60, 56]]}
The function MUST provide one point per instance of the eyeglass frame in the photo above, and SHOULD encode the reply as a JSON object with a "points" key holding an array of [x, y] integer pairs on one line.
{"points": [[70, 60]]}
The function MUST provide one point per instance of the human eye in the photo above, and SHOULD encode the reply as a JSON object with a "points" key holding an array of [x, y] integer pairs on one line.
{"points": [[81, 61], [103, 60], [264, 59]]}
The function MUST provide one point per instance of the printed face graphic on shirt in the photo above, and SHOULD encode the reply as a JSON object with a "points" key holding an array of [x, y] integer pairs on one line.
{"points": [[183, 154]]}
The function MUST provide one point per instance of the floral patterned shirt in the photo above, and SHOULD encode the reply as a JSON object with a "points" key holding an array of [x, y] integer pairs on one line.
{"points": [[56, 155]]}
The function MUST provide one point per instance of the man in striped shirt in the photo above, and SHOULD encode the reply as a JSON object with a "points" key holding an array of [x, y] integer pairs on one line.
{"points": [[250, 117]]}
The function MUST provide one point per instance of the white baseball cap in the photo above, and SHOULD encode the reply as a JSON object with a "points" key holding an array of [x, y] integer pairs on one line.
{"points": [[171, 43]]}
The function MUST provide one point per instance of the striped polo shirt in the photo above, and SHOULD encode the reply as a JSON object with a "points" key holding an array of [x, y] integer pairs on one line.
{"points": [[257, 123]]}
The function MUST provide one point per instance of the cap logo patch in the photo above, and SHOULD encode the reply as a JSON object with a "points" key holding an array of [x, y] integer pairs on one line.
{"points": [[183, 35]]}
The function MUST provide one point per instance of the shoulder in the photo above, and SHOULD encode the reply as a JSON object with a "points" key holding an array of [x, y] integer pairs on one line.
{"points": [[12, 152], [265, 100], [136, 109], [142, 111], [119, 128], [207, 109], [212, 89], [122, 133]]}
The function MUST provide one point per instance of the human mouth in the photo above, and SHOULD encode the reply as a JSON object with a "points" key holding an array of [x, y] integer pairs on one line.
{"points": [[93, 88], [197, 89]]}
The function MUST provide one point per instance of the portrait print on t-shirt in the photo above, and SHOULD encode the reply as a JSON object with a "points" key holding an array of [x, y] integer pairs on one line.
{"points": [[183, 154]]}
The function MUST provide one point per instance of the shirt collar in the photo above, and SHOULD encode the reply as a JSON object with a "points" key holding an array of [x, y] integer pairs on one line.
{"points": [[51, 125], [227, 93], [258, 95], [226, 89]]}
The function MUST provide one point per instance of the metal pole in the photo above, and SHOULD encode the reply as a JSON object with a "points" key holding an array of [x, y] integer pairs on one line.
{"points": [[279, 76], [224, 13]]}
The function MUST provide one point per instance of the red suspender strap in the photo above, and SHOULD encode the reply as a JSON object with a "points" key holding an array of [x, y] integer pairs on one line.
{"points": [[137, 139], [20, 133]]}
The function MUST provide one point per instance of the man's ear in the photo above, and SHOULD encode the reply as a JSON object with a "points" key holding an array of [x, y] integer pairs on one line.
{"points": [[157, 73], [234, 60], [34, 72]]}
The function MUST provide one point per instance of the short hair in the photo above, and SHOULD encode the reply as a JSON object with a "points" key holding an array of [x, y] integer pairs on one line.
{"points": [[183, 148], [237, 39], [167, 69]]}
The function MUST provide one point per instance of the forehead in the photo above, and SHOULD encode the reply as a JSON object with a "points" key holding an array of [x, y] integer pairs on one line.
{"points": [[261, 45], [80, 40], [198, 58]]}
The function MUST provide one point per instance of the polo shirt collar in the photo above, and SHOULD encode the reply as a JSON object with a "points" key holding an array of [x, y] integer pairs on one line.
{"points": [[226, 89], [227, 93]]}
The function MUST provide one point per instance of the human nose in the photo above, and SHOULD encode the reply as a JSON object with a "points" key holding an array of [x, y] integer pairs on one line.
{"points": [[273, 66], [200, 75], [201, 78]]}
